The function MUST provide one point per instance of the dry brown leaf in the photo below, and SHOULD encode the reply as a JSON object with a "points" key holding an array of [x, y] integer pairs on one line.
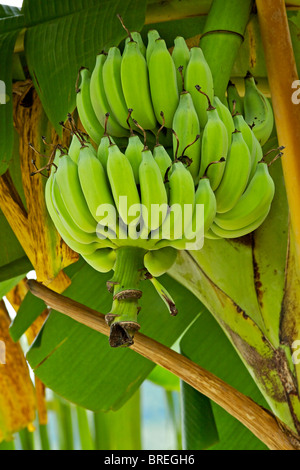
{"points": [[17, 395]]}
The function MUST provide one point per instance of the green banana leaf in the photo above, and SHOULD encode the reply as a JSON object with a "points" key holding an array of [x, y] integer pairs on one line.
{"points": [[68, 35], [198, 422], [29, 311], [78, 363], [11, 23], [187, 28], [205, 424], [165, 379], [86, 440], [13, 260], [9, 284], [121, 429]]}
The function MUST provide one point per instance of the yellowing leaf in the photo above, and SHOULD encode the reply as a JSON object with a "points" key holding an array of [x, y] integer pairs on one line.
{"points": [[17, 396]]}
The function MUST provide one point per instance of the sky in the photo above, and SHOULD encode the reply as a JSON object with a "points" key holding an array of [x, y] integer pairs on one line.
{"points": [[12, 3]]}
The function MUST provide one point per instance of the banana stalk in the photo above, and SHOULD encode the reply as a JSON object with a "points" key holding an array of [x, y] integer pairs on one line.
{"points": [[124, 285], [250, 284], [224, 29]]}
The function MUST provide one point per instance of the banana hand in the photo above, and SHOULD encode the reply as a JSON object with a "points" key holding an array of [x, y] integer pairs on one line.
{"points": [[257, 110], [158, 262], [214, 147], [222, 233], [100, 103], [85, 109], [163, 86], [113, 86], [102, 260], [122, 183], [236, 174], [69, 186], [253, 204], [235, 101], [198, 73], [135, 85], [181, 202], [181, 57], [153, 192], [186, 127]]}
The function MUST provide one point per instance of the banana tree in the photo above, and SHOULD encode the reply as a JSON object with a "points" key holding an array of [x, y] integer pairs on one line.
{"points": [[244, 342]]}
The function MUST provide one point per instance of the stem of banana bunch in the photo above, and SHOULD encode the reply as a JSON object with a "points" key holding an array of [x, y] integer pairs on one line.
{"points": [[128, 273], [221, 38]]}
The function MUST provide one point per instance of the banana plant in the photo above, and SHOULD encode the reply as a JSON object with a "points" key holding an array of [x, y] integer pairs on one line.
{"points": [[248, 284]]}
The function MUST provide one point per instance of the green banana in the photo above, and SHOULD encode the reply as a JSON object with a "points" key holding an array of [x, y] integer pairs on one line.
{"points": [[85, 109], [257, 110], [133, 153], [74, 148], [198, 73], [75, 245], [181, 202], [94, 183], [225, 116], [222, 233], [102, 152], [252, 204], [211, 235], [75, 232], [163, 86], [181, 57], [152, 36], [236, 174], [100, 102], [186, 127], [258, 155], [122, 182], [202, 217], [136, 36], [242, 126], [113, 86], [102, 260], [158, 262], [214, 146], [69, 186], [234, 100], [162, 159], [205, 195], [135, 85], [154, 197]]}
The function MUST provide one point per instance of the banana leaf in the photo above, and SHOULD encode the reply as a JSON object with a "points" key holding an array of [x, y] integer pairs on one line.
{"points": [[205, 424], [78, 363], [69, 35]]}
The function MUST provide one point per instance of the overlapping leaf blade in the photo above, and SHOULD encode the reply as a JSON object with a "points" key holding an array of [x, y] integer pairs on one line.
{"points": [[68, 35], [78, 363], [206, 344], [11, 23]]}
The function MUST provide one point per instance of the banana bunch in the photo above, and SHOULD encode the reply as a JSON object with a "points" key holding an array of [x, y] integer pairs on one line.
{"points": [[163, 165], [133, 79], [107, 202]]}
